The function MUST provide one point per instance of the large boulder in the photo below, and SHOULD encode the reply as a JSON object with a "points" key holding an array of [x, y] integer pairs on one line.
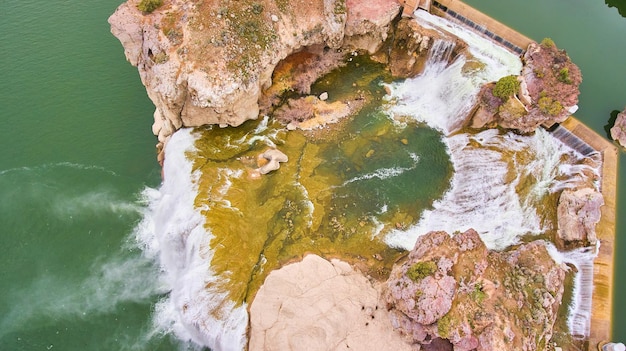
{"points": [[546, 93], [578, 213], [320, 305], [453, 291], [207, 62], [618, 131]]}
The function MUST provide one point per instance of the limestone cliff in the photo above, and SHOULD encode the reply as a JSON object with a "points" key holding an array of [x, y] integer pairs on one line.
{"points": [[207, 62], [546, 92]]}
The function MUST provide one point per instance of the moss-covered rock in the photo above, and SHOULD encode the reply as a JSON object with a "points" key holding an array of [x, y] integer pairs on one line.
{"points": [[474, 298]]}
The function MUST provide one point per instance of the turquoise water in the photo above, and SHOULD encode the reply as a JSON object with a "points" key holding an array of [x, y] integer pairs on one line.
{"points": [[77, 151], [593, 34]]}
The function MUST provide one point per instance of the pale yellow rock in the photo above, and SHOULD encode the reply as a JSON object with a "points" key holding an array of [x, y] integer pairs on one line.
{"points": [[320, 305]]}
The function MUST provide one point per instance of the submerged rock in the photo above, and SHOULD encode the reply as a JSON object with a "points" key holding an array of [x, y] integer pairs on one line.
{"points": [[618, 131], [454, 290], [320, 305]]}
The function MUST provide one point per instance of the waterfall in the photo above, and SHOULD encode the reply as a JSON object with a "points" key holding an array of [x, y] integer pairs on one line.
{"points": [[483, 192], [483, 195], [173, 233], [573, 141], [579, 314]]}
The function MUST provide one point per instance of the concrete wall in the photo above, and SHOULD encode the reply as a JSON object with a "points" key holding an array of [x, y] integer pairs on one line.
{"points": [[482, 23]]}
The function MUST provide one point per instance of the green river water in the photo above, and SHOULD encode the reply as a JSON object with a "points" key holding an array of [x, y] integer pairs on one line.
{"points": [[78, 151]]}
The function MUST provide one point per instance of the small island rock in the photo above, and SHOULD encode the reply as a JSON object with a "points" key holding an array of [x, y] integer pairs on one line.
{"points": [[618, 131]]}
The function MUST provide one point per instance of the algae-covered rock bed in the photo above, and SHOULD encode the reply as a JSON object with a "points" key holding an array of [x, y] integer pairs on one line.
{"points": [[337, 196]]}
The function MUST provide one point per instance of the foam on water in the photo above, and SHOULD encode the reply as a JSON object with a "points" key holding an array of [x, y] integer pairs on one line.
{"points": [[173, 232], [385, 173], [482, 194], [445, 91]]}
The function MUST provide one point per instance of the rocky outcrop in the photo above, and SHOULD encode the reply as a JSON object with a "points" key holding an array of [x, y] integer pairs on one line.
{"points": [[578, 213], [618, 131], [546, 93], [320, 305], [207, 62], [271, 160], [454, 292], [311, 112], [410, 46]]}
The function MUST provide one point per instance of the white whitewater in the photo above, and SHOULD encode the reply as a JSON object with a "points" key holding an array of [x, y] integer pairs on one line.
{"points": [[445, 91], [173, 233], [579, 314], [482, 194]]}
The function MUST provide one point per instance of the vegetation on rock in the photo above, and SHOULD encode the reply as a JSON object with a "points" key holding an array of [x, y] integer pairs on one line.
{"points": [[506, 87], [550, 106], [548, 43], [149, 5], [564, 76]]}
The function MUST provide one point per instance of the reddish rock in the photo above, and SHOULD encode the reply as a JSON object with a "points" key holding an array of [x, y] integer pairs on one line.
{"points": [[470, 299], [618, 131]]}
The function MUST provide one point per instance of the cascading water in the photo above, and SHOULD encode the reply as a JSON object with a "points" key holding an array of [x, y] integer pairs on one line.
{"points": [[447, 90], [484, 189], [490, 169], [579, 315]]}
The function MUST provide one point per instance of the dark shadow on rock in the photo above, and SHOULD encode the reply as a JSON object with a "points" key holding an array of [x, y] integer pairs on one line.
{"points": [[619, 4], [611, 123], [438, 344]]}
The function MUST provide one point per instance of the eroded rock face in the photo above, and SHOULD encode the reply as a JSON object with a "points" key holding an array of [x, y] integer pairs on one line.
{"points": [[548, 93], [320, 305], [618, 131], [454, 290], [578, 213], [206, 62], [410, 46]]}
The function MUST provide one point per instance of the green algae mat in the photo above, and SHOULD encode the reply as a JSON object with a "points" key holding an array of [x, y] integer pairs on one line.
{"points": [[342, 189]]}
